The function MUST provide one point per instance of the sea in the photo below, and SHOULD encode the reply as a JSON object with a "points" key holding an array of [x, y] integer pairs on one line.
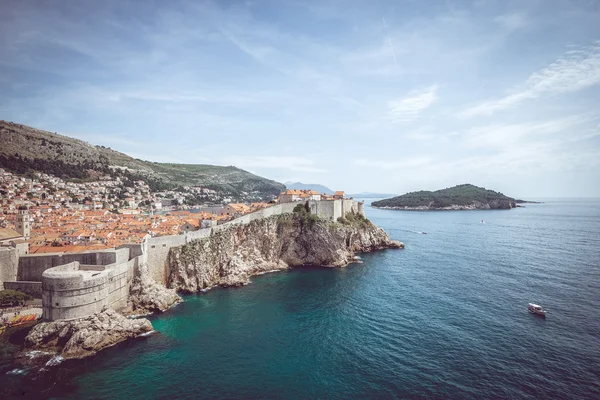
{"points": [[445, 318]]}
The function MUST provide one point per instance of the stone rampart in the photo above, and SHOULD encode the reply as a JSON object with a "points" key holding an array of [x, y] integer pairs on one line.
{"points": [[8, 265], [79, 284], [33, 289], [76, 290], [158, 251], [158, 247], [32, 266]]}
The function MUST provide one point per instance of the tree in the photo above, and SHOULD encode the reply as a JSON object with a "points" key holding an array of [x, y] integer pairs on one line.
{"points": [[11, 298]]}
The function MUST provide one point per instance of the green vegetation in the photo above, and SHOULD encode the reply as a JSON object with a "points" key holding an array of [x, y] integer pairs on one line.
{"points": [[354, 219], [461, 195], [26, 150], [303, 214], [11, 298]]}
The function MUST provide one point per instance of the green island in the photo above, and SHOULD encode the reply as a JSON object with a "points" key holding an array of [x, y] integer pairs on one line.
{"points": [[460, 197]]}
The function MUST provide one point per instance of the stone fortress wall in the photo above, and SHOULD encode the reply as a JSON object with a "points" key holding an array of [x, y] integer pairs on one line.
{"points": [[76, 285]]}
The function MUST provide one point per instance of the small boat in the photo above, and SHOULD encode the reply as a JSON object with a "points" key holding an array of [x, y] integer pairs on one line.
{"points": [[535, 309]]}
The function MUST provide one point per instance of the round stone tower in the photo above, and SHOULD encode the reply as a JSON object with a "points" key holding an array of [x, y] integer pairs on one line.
{"points": [[361, 208], [23, 222]]}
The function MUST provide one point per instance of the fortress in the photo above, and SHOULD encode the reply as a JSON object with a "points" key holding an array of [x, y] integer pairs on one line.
{"points": [[75, 285]]}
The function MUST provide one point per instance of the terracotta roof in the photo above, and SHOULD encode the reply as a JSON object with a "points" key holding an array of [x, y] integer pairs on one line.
{"points": [[7, 233]]}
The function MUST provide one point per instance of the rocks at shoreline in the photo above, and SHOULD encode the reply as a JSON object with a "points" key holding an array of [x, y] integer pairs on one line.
{"points": [[86, 336], [476, 205], [232, 256], [146, 296]]}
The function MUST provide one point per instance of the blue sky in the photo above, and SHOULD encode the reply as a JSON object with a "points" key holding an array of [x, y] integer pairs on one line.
{"points": [[388, 96]]}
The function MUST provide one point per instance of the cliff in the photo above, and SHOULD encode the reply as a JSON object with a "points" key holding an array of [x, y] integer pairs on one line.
{"points": [[86, 336], [146, 296], [461, 197], [232, 256]]}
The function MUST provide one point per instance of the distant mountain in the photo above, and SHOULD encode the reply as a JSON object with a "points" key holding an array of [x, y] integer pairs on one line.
{"points": [[25, 149], [309, 186], [461, 197], [370, 195]]}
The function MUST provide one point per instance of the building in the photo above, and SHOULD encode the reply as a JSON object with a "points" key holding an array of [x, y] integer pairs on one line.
{"points": [[292, 195], [338, 195], [24, 223], [9, 236]]}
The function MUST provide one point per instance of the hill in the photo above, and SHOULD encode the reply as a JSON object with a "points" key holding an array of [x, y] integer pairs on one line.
{"points": [[25, 149], [309, 186], [461, 197]]}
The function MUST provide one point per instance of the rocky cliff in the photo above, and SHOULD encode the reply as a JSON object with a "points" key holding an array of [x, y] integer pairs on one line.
{"points": [[146, 296], [84, 337], [230, 257]]}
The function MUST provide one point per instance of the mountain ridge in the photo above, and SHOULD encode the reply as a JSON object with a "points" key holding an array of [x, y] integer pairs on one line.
{"points": [[25, 149]]}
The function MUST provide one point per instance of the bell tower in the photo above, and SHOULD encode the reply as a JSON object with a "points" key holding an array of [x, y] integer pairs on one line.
{"points": [[23, 222]]}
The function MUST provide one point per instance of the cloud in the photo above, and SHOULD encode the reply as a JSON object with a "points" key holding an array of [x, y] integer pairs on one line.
{"points": [[511, 136], [409, 162], [292, 163], [409, 108], [513, 21], [576, 70]]}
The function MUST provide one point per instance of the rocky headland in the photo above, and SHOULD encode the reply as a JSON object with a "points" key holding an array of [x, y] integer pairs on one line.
{"points": [[84, 337], [230, 257]]}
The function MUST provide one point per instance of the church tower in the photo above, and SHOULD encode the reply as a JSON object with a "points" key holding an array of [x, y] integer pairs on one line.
{"points": [[23, 222]]}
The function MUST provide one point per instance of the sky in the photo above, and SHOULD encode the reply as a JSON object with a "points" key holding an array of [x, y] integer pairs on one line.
{"points": [[379, 96]]}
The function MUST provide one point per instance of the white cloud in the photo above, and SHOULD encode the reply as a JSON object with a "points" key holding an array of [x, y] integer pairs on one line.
{"points": [[292, 163], [576, 70], [511, 136], [409, 108], [403, 163], [513, 21]]}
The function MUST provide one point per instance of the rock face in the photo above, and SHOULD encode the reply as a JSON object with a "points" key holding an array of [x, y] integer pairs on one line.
{"points": [[85, 336], [232, 256], [146, 296]]}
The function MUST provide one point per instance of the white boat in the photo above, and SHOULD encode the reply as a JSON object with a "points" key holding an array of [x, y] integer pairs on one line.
{"points": [[535, 309]]}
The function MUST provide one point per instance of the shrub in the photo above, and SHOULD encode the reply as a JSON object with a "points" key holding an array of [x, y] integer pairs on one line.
{"points": [[10, 298]]}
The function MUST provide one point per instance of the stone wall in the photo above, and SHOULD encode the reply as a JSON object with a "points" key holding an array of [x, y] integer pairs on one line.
{"points": [[158, 251], [8, 265], [76, 290], [75, 285], [31, 288], [158, 247], [32, 266]]}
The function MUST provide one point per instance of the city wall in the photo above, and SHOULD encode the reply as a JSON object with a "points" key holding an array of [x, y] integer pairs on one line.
{"points": [[79, 284], [76, 290], [32, 266], [33, 289], [8, 265], [158, 247]]}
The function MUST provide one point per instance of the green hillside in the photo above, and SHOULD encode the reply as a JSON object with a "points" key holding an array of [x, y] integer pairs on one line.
{"points": [[25, 149], [461, 195]]}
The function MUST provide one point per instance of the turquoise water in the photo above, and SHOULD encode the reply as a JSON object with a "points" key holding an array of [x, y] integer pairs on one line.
{"points": [[444, 318]]}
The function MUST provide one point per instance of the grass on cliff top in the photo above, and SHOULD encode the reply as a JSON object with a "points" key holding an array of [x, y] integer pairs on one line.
{"points": [[458, 195]]}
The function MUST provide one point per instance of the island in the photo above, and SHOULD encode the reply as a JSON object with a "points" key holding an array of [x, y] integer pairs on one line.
{"points": [[460, 197]]}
